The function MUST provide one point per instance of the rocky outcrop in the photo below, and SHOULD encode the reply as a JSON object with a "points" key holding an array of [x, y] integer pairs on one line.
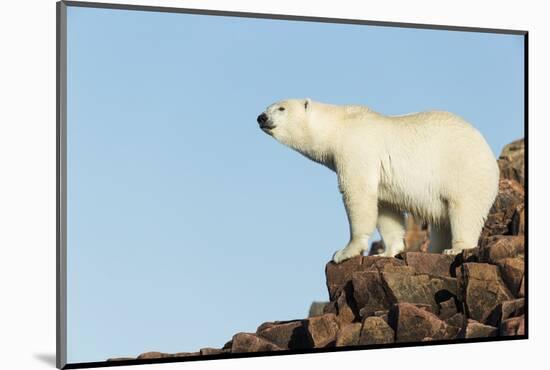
{"points": [[511, 161], [507, 216], [316, 308], [415, 296]]}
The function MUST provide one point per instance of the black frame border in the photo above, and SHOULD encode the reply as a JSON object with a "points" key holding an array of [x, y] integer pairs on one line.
{"points": [[61, 183]]}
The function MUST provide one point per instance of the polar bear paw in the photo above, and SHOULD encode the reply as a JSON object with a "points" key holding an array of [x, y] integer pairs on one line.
{"points": [[452, 251], [346, 253]]}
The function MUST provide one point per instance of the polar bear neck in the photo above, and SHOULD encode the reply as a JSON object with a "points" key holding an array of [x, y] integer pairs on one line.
{"points": [[318, 153], [321, 135], [322, 139]]}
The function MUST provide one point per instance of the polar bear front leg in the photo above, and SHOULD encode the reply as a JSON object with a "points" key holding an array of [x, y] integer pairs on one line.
{"points": [[391, 225], [361, 202]]}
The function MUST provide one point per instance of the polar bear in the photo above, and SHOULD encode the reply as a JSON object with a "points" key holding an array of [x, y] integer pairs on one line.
{"points": [[433, 165]]}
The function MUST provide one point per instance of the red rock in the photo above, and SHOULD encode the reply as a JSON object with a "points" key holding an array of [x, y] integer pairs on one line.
{"points": [[429, 263], [210, 351], [322, 330], [120, 359], [412, 324], [513, 326], [247, 342], [482, 290], [457, 320], [382, 263], [339, 275], [375, 331], [512, 161], [469, 255], [474, 329], [499, 221], [348, 335], [188, 354], [285, 334], [369, 293], [447, 309], [506, 310], [378, 289], [419, 288], [382, 314], [346, 308], [518, 221], [153, 355], [364, 313], [501, 247], [511, 270], [329, 308]]}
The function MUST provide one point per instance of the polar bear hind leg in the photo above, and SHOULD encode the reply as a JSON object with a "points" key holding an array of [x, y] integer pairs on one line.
{"points": [[466, 220], [391, 225]]}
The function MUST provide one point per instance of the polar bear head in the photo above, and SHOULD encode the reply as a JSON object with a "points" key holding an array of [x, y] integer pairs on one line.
{"points": [[289, 122]]}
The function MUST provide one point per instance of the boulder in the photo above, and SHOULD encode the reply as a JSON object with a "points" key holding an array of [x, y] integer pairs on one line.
{"points": [[285, 334], [509, 201], [348, 335], [447, 309], [500, 247], [376, 263], [512, 270], [153, 355], [403, 287], [339, 276], [248, 342], [429, 263], [518, 221], [513, 326], [378, 289], [506, 310], [120, 359], [511, 161], [346, 308], [482, 289], [210, 351], [369, 293], [458, 320], [322, 330], [375, 330], [413, 324], [383, 314], [474, 329]]}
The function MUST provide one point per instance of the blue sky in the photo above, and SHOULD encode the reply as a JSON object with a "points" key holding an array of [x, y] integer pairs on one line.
{"points": [[186, 223]]}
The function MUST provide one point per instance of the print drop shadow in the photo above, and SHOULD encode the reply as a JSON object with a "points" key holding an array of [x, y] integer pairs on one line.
{"points": [[46, 358]]}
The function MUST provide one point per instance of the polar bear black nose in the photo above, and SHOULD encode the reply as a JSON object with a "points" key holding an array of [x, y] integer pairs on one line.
{"points": [[262, 118]]}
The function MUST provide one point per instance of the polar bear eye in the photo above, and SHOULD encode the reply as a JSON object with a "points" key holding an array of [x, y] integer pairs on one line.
{"points": [[281, 108]]}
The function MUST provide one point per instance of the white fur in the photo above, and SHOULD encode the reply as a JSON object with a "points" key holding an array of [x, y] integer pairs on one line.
{"points": [[433, 165]]}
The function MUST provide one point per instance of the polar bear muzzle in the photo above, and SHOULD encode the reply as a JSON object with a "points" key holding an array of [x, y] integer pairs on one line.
{"points": [[264, 122]]}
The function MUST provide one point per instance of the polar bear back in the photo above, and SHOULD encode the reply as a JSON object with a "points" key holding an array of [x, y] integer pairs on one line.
{"points": [[430, 159]]}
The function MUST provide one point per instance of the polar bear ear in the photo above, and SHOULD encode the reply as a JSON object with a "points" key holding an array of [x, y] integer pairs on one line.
{"points": [[306, 103]]}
